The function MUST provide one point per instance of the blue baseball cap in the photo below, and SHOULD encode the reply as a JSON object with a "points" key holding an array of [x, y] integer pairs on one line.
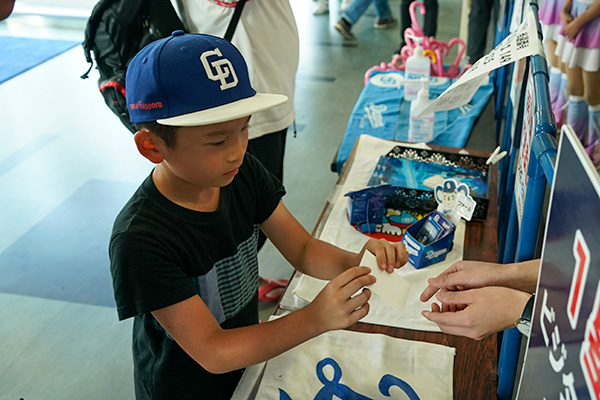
{"points": [[190, 79]]}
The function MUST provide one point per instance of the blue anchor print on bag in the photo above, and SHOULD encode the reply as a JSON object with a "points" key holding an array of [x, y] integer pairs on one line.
{"points": [[388, 381], [333, 387]]}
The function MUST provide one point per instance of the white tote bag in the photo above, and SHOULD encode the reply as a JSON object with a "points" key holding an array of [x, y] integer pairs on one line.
{"points": [[359, 366]]}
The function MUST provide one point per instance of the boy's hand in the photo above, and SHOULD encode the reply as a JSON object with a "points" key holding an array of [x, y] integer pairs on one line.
{"points": [[389, 255], [335, 308]]}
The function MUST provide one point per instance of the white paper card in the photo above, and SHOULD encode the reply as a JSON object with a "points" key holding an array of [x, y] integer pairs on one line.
{"points": [[392, 288]]}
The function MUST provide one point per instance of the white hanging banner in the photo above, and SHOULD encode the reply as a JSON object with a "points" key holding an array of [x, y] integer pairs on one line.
{"points": [[519, 44]]}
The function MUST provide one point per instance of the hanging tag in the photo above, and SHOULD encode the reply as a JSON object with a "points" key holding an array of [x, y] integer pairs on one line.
{"points": [[465, 206]]}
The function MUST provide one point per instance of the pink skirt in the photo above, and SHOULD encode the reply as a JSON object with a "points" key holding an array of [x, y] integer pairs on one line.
{"points": [[584, 51], [549, 12]]}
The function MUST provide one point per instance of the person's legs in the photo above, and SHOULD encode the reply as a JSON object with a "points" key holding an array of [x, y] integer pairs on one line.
{"points": [[560, 105], [382, 8], [322, 7], [269, 150], [431, 14], [554, 83], [577, 116], [479, 21], [384, 15], [575, 81], [591, 83], [355, 10], [405, 21], [593, 135], [554, 72]]}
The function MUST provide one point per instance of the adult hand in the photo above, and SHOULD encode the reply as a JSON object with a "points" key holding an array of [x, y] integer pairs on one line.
{"points": [[572, 28], [463, 275], [565, 14], [389, 255], [337, 306], [477, 313]]}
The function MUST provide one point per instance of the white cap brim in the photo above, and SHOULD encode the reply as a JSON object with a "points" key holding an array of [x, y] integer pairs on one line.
{"points": [[227, 112]]}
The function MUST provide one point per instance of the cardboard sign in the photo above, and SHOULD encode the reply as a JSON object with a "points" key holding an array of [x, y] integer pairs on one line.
{"points": [[561, 360]]}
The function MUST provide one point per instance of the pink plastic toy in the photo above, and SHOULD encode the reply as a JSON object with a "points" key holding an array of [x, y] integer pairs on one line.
{"points": [[433, 48]]}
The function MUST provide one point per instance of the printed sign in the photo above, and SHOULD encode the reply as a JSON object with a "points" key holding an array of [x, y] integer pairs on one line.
{"points": [[519, 44], [521, 177], [563, 351], [516, 89]]}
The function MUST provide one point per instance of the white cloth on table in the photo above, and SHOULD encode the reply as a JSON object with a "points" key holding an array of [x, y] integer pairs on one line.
{"points": [[337, 230], [380, 312], [372, 365]]}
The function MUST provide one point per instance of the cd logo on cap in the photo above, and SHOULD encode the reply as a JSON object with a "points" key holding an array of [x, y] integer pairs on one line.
{"points": [[220, 69]]}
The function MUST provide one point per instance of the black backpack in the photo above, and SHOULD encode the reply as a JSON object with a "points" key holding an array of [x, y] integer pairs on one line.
{"points": [[118, 29], [115, 32]]}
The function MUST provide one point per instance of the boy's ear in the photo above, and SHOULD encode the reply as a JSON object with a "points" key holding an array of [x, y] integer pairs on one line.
{"points": [[146, 144]]}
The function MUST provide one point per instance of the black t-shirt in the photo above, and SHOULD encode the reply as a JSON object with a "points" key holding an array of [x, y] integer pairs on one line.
{"points": [[162, 253]]}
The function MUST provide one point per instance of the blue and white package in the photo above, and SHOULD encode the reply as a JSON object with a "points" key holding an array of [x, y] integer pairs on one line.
{"points": [[424, 254]]}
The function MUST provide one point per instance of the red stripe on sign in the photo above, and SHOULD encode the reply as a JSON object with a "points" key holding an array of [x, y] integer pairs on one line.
{"points": [[580, 270]]}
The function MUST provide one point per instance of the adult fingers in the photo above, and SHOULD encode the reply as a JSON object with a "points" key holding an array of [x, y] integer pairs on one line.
{"points": [[449, 280], [454, 298], [449, 322], [428, 292], [444, 281]]}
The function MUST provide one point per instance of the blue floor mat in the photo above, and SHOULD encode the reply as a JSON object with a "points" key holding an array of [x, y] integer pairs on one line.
{"points": [[18, 54], [65, 256]]}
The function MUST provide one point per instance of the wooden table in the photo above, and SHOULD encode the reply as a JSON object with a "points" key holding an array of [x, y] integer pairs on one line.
{"points": [[475, 364]]}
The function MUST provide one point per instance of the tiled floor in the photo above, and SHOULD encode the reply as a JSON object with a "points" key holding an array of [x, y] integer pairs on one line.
{"points": [[67, 165]]}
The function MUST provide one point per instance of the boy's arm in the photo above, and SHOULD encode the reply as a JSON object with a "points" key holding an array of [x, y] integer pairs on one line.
{"points": [[218, 350], [308, 255], [320, 259]]}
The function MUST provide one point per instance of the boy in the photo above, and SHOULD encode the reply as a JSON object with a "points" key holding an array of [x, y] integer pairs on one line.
{"points": [[183, 249]]}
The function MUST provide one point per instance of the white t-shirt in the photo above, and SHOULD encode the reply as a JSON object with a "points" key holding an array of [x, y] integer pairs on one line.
{"points": [[267, 37]]}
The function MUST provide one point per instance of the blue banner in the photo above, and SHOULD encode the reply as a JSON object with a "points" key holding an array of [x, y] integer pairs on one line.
{"points": [[382, 112], [563, 354]]}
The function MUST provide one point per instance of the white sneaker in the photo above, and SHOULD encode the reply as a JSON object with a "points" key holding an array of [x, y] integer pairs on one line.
{"points": [[322, 8]]}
